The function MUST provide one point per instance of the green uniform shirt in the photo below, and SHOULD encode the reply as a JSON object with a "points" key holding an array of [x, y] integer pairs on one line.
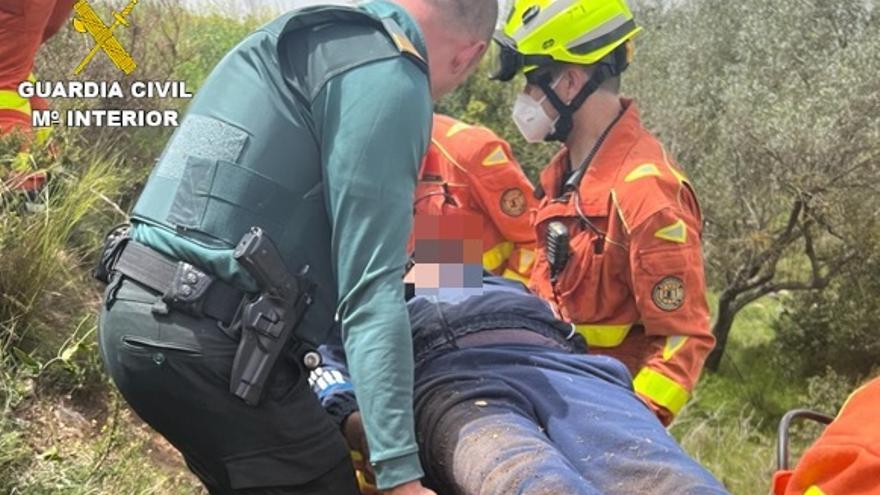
{"points": [[371, 125], [374, 137]]}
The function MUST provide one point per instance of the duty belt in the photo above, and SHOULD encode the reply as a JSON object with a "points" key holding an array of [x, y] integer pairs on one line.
{"points": [[426, 347], [182, 285]]}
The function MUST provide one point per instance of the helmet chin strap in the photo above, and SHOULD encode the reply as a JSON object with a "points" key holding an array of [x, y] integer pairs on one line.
{"points": [[565, 123]]}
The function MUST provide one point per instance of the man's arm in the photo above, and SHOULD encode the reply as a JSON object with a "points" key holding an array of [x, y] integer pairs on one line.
{"points": [[331, 383], [373, 125], [506, 196], [670, 291]]}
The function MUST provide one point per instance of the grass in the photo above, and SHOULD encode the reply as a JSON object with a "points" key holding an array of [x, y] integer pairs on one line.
{"points": [[730, 424], [62, 428]]}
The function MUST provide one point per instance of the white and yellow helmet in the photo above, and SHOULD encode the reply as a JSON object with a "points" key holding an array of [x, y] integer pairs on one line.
{"points": [[542, 32]]}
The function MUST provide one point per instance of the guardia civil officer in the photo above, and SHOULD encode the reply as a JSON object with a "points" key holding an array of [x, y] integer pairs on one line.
{"points": [[312, 130]]}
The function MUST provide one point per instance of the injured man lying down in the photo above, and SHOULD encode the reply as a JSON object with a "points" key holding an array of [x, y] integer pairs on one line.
{"points": [[508, 402]]}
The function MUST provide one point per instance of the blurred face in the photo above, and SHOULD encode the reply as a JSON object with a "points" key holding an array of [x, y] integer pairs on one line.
{"points": [[448, 255], [451, 62]]}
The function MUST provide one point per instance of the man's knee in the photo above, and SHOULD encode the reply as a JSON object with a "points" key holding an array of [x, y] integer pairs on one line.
{"points": [[501, 453], [529, 470]]}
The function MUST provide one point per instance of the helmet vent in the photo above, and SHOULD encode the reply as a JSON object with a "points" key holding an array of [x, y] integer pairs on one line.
{"points": [[530, 14], [548, 44]]}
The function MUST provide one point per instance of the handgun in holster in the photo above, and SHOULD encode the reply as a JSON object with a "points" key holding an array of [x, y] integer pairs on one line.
{"points": [[268, 320]]}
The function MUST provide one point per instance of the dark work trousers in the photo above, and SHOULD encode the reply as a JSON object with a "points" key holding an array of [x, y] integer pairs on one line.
{"points": [[531, 420], [173, 369]]}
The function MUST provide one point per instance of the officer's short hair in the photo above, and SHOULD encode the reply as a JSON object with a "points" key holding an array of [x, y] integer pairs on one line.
{"points": [[476, 17]]}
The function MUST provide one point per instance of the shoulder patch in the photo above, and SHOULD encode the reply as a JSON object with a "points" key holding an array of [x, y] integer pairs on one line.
{"points": [[642, 171], [403, 43], [497, 157], [677, 232]]}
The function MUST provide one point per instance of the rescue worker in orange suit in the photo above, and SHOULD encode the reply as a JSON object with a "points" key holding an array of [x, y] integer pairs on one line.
{"points": [[470, 170], [845, 460], [24, 26], [618, 226]]}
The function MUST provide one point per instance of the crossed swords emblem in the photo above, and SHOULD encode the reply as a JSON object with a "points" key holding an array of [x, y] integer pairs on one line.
{"points": [[87, 21]]}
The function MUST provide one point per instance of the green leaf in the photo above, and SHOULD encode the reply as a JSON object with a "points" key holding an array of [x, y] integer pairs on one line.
{"points": [[68, 353], [26, 358], [50, 454]]}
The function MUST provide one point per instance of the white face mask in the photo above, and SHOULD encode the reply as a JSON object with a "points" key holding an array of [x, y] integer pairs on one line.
{"points": [[531, 119]]}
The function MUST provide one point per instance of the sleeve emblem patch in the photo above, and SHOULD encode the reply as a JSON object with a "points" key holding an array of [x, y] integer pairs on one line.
{"points": [[668, 294], [513, 202]]}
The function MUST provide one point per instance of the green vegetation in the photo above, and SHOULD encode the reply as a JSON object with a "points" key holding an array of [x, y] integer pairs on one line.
{"points": [[757, 126]]}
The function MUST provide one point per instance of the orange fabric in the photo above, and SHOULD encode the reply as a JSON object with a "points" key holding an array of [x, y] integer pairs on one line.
{"points": [[468, 170], [845, 460], [24, 26], [780, 482], [632, 193]]}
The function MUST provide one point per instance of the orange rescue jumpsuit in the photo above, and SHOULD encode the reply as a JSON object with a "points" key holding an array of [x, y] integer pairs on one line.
{"points": [[635, 289], [845, 460], [24, 26], [470, 170]]}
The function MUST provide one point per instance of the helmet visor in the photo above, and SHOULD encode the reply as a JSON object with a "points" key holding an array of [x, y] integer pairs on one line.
{"points": [[506, 61]]}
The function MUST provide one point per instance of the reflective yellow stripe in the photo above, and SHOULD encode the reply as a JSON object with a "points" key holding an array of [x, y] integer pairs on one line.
{"points": [[456, 128], [508, 273], [678, 175], [677, 232], [603, 335], [10, 100], [619, 211], [814, 490], [493, 258], [642, 171], [661, 389], [526, 260], [497, 157]]}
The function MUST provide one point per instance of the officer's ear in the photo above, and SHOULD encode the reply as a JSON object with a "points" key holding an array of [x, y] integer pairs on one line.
{"points": [[468, 58]]}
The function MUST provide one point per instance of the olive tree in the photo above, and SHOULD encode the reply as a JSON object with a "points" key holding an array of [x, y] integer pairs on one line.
{"points": [[772, 108]]}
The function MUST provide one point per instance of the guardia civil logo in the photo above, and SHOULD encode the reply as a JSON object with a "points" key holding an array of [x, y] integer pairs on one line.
{"points": [[87, 21]]}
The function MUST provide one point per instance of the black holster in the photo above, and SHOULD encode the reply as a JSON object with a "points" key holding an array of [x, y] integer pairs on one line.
{"points": [[269, 320], [114, 241]]}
